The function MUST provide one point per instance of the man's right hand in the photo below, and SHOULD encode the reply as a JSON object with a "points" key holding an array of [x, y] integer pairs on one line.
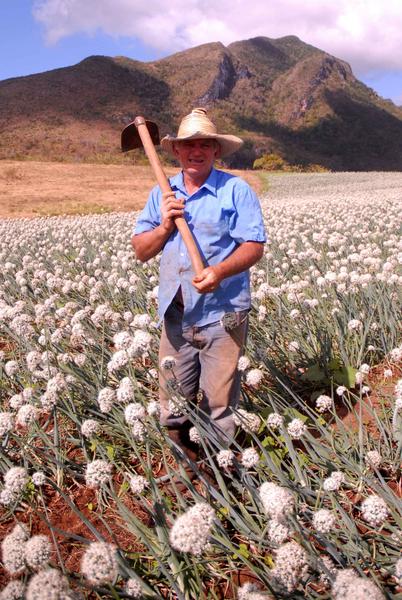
{"points": [[171, 207]]}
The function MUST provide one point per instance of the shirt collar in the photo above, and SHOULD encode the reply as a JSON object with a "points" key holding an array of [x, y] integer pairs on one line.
{"points": [[210, 183]]}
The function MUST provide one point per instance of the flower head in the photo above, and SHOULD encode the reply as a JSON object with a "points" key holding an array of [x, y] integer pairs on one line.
{"points": [[254, 377], [277, 501], [14, 590], [98, 472], [225, 458], [334, 481], [291, 566], [243, 363], [250, 422], [324, 520], [191, 530], [373, 459], [99, 563], [138, 483], [38, 478], [323, 403], [296, 429], [249, 458], [274, 421], [348, 584], [6, 423], [90, 428], [38, 550], [48, 584], [374, 510]]}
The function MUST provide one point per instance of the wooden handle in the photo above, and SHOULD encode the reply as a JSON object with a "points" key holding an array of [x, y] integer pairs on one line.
{"points": [[195, 257]]}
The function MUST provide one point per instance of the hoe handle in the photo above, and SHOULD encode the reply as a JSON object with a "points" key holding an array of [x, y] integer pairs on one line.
{"points": [[195, 257]]}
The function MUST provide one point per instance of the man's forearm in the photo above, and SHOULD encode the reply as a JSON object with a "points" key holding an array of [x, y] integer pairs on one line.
{"points": [[244, 257], [149, 243]]}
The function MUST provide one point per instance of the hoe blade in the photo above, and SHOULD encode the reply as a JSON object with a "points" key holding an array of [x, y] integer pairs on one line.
{"points": [[130, 138]]}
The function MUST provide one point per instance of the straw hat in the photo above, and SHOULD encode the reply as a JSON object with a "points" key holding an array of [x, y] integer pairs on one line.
{"points": [[198, 125]]}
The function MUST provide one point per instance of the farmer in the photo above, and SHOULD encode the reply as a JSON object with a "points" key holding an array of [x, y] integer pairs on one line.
{"points": [[204, 317]]}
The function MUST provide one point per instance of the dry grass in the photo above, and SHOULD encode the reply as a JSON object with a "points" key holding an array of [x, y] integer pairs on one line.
{"points": [[31, 189]]}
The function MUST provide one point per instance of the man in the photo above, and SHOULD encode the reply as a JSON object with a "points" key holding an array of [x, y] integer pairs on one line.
{"points": [[224, 215]]}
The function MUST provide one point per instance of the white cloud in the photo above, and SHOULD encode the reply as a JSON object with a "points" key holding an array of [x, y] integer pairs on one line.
{"points": [[366, 33]]}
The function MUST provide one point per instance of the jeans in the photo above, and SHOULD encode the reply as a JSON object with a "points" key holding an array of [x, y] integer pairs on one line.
{"points": [[206, 361]]}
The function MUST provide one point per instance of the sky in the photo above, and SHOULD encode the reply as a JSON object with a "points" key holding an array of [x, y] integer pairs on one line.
{"points": [[40, 35]]}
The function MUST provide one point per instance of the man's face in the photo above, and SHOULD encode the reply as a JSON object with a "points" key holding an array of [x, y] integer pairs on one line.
{"points": [[197, 156]]}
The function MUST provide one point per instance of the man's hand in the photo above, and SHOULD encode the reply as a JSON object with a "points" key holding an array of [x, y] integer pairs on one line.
{"points": [[207, 281], [171, 207]]}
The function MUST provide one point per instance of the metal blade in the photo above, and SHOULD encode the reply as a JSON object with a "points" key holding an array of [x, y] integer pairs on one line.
{"points": [[131, 140]]}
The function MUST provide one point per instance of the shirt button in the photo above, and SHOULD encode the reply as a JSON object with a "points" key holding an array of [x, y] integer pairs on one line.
{"points": [[181, 253]]}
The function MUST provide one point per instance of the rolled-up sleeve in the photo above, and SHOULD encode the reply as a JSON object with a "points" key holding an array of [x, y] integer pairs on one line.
{"points": [[150, 216], [246, 223]]}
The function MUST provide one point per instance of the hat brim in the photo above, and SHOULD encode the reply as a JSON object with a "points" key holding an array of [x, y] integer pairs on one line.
{"points": [[228, 143]]}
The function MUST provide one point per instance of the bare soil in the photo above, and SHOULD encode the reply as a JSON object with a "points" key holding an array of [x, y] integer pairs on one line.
{"points": [[35, 189]]}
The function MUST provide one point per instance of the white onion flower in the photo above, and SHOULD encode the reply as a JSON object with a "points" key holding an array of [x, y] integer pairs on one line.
{"points": [[278, 531], [106, 399], [190, 531], [340, 390], [225, 458], [38, 478], [355, 325], [142, 321], [324, 520], [12, 551], [6, 423], [15, 479], [177, 406], [38, 551], [11, 368], [243, 363], [291, 566], [119, 360], [14, 590], [99, 563], [98, 473], [134, 589], [323, 403], [250, 422], [373, 459], [138, 431], [48, 584], [194, 435], [348, 584], [134, 412], [274, 421], [122, 340], [125, 391], [90, 428], [138, 483], [277, 501], [334, 481], [254, 377], [249, 458], [296, 429], [153, 408], [374, 510], [250, 591]]}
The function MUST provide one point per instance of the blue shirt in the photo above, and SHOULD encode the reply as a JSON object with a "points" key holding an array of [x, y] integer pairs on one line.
{"points": [[222, 214]]}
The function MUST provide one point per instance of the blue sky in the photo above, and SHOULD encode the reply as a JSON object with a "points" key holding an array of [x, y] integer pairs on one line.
{"points": [[39, 35]]}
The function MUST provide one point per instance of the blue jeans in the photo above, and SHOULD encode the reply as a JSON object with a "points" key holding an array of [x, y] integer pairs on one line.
{"points": [[206, 362]]}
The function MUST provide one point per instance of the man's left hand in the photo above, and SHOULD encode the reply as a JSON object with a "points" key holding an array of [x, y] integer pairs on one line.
{"points": [[207, 281]]}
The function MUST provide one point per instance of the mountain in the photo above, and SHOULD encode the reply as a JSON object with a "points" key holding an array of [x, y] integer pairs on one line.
{"points": [[281, 95]]}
